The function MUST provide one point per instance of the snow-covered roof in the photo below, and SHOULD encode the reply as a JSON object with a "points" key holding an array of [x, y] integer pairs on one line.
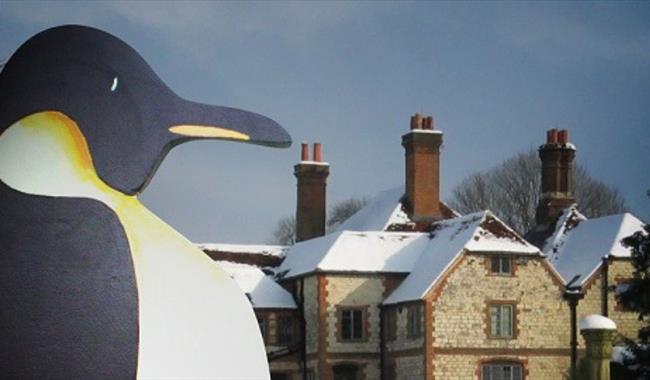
{"points": [[378, 213], [351, 251], [424, 256], [596, 322], [382, 212], [254, 249], [578, 244], [478, 232], [262, 290]]}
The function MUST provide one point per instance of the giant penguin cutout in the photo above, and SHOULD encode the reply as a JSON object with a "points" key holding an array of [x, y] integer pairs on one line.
{"points": [[92, 284]]}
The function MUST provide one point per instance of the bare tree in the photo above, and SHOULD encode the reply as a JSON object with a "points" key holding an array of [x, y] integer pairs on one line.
{"points": [[285, 230], [343, 210], [511, 190]]}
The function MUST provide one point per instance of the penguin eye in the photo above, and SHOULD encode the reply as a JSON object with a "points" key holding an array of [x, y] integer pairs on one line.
{"points": [[114, 85]]}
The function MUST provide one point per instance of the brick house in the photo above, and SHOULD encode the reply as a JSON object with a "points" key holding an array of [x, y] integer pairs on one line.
{"points": [[587, 252], [408, 289]]}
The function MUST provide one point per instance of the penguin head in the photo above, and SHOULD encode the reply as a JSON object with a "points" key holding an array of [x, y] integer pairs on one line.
{"points": [[128, 116]]}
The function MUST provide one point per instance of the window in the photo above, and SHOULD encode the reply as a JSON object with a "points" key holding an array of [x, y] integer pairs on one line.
{"points": [[501, 320], [501, 265], [261, 322], [390, 324], [345, 372], [285, 330], [414, 321], [351, 324], [502, 371]]}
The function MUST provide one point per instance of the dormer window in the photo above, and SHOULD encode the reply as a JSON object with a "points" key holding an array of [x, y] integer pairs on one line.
{"points": [[501, 265]]}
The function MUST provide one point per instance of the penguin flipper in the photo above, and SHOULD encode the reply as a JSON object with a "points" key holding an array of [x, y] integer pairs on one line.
{"points": [[68, 295]]}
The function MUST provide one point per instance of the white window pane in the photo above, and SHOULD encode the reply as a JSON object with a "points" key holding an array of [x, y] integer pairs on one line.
{"points": [[505, 265], [494, 319], [506, 318]]}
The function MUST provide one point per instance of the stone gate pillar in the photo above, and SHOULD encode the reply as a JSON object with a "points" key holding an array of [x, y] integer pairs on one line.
{"points": [[599, 333]]}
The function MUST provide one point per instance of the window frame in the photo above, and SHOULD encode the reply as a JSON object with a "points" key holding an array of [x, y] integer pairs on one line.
{"points": [[414, 323], [281, 337], [500, 305], [492, 364], [500, 260], [362, 312]]}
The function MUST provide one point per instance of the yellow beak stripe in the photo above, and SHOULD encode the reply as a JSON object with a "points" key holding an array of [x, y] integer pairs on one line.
{"points": [[208, 132]]}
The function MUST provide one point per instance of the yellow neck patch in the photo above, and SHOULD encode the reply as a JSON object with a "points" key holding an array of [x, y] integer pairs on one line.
{"points": [[46, 154]]}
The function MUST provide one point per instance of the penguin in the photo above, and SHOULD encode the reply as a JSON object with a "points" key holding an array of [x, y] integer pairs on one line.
{"points": [[92, 283]]}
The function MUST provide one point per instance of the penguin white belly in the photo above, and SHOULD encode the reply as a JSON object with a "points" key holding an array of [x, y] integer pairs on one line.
{"points": [[194, 321]]}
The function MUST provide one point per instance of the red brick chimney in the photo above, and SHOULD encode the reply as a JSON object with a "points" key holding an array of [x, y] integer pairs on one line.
{"points": [[422, 145], [557, 176], [312, 181]]}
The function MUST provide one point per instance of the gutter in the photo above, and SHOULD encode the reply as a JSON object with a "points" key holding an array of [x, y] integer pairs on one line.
{"points": [[573, 294]]}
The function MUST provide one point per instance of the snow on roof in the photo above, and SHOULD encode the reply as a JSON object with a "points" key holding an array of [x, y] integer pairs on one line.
{"points": [[424, 255], [378, 213], [478, 232], [596, 322], [578, 244], [271, 250], [262, 290], [350, 251], [383, 211]]}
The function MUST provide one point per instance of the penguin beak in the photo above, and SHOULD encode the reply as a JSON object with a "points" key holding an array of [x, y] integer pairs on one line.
{"points": [[200, 121]]}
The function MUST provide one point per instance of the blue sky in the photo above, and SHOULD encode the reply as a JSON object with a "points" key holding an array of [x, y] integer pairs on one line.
{"points": [[495, 76]]}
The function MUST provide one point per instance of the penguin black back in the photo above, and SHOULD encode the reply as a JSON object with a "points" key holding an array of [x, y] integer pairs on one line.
{"points": [[69, 297]]}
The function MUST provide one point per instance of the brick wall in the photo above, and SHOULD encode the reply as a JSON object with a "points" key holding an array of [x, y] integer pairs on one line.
{"points": [[354, 291], [311, 313], [409, 367], [460, 313], [627, 322]]}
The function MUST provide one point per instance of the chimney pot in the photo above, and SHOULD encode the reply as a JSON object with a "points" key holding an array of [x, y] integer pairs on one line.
{"points": [[418, 121], [304, 154], [318, 153], [553, 136], [563, 136]]}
